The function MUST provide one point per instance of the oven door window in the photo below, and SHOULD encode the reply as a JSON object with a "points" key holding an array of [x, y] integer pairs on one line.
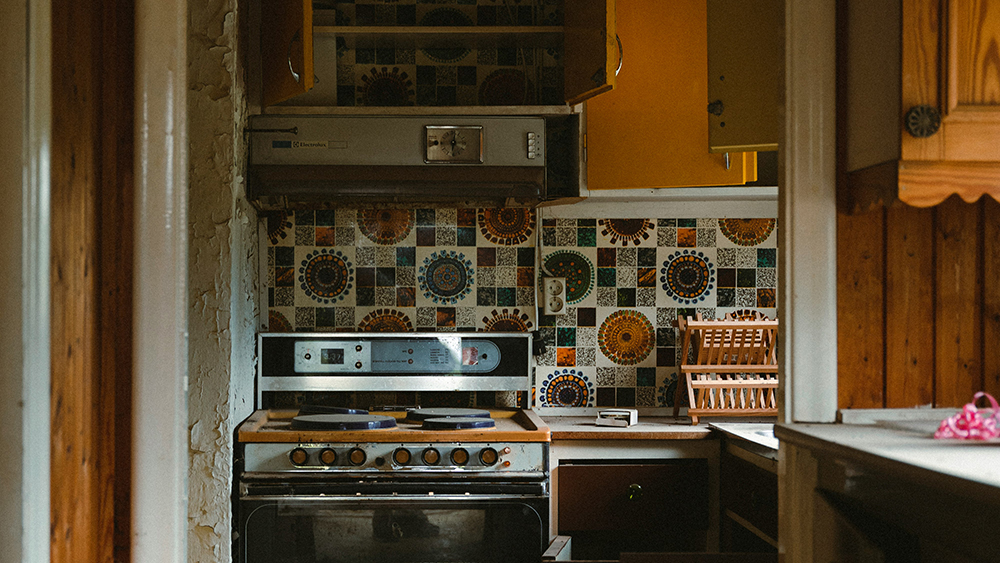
{"points": [[359, 530]]}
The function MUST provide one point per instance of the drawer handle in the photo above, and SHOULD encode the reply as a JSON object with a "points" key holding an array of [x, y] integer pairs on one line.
{"points": [[634, 492]]}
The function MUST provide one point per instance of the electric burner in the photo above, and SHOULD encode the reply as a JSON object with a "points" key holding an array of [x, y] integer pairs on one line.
{"points": [[420, 415], [457, 423], [342, 422], [320, 409]]}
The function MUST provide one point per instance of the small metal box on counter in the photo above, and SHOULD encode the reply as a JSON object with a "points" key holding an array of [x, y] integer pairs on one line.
{"points": [[617, 417]]}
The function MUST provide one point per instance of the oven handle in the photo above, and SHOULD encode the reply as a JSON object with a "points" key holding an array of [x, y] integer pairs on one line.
{"points": [[391, 498]]}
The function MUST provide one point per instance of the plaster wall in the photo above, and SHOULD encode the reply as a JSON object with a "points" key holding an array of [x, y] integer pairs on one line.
{"points": [[222, 274]]}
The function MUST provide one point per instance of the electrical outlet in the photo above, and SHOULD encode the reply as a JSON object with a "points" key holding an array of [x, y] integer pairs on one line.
{"points": [[554, 296]]}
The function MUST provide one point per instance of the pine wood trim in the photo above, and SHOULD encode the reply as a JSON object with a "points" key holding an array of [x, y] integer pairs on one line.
{"points": [[91, 257]]}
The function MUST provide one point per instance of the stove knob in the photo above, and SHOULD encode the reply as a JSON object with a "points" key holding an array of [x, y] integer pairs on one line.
{"points": [[488, 456], [459, 456], [401, 456], [298, 456], [328, 456], [431, 456], [357, 456]]}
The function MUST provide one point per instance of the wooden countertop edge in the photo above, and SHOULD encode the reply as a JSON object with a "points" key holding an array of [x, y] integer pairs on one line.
{"points": [[626, 434]]}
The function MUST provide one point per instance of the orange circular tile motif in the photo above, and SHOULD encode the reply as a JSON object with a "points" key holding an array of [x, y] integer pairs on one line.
{"points": [[746, 232], [506, 321], [326, 276], [566, 388], [385, 320], [386, 226], [626, 230], [276, 322], [626, 337], [506, 226]]}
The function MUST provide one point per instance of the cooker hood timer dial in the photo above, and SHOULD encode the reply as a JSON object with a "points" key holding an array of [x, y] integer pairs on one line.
{"points": [[453, 144]]}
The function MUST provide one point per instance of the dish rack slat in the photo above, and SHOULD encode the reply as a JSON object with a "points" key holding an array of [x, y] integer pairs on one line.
{"points": [[729, 367]]}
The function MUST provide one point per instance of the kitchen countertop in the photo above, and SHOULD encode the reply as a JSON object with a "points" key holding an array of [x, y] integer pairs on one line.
{"points": [[648, 428], [906, 448]]}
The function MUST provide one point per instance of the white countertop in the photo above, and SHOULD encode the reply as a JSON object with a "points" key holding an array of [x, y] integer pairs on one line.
{"points": [[906, 448]]}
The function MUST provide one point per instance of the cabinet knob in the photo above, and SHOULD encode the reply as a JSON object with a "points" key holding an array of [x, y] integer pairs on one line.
{"points": [[634, 491], [922, 121]]}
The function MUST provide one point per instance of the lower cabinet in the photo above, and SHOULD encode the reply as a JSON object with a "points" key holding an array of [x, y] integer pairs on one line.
{"points": [[748, 494], [642, 506]]}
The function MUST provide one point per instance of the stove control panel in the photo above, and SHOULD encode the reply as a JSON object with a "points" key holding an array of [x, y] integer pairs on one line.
{"points": [[394, 457], [328, 356]]}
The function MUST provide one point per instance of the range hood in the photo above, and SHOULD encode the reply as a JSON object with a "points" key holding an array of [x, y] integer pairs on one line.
{"points": [[319, 161]]}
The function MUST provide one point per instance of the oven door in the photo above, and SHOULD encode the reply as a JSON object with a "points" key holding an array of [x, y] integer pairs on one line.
{"points": [[328, 529]]}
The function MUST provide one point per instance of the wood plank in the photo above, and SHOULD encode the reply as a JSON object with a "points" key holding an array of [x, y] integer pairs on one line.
{"points": [[921, 74], [116, 244], [991, 296], [909, 308], [860, 317], [928, 183], [76, 521], [958, 371]]}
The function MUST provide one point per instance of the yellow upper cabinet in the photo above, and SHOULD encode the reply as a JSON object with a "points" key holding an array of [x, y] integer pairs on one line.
{"points": [[918, 101], [746, 64], [286, 54], [651, 130], [536, 55]]}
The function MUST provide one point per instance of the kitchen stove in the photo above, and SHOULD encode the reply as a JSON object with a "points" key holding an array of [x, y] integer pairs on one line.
{"points": [[322, 484]]}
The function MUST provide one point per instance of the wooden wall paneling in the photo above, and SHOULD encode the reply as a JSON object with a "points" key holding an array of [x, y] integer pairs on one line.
{"points": [[75, 171], [116, 271], [958, 373], [991, 295], [909, 310], [91, 177], [860, 316]]}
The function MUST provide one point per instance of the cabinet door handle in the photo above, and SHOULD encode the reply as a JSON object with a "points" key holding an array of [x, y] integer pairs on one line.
{"points": [[295, 38], [634, 491], [621, 54], [922, 121]]}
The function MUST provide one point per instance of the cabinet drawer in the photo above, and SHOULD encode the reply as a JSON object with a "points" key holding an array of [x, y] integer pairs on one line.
{"points": [[750, 492], [634, 497]]}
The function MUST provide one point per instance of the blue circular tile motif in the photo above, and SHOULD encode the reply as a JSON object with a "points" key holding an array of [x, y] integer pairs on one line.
{"points": [[687, 276], [446, 277]]}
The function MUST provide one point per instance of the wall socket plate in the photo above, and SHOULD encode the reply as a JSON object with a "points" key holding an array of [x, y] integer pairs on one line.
{"points": [[554, 296]]}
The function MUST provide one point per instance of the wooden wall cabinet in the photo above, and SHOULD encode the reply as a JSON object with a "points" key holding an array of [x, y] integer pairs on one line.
{"points": [[918, 101], [650, 131], [298, 44]]}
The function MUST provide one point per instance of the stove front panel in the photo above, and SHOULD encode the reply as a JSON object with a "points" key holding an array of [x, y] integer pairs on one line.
{"points": [[502, 458]]}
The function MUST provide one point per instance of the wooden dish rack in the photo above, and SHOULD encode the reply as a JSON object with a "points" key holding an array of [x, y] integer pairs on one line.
{"points": [[733, 369]]}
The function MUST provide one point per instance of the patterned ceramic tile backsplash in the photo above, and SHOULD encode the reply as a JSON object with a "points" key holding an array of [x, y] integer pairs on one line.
{"points": [[474, 269], [375, 71], [628, 280]]}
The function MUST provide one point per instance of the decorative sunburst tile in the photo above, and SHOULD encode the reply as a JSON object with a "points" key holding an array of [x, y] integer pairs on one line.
{"points": [[687, 277], [627, 232], [565, 387]]}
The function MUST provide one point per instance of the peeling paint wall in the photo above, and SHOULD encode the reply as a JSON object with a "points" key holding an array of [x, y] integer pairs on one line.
{"points": [[222, 274]]}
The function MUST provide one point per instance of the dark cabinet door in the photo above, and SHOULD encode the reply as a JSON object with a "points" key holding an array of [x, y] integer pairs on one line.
{"points": [[609, 509]]}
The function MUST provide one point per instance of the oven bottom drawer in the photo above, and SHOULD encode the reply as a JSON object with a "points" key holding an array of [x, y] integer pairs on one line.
{"points": [[362, 529]]}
